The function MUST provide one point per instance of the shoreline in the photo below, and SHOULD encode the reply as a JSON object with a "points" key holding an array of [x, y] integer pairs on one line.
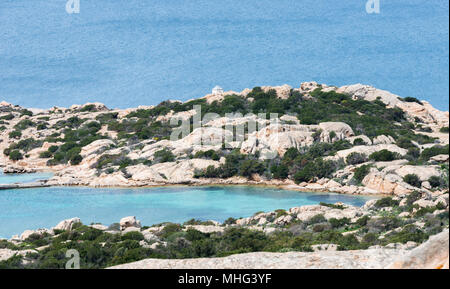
{"points": [[287, 187]]}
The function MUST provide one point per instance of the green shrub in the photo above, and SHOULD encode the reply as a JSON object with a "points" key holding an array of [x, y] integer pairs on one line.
{"points": [[210, 154], [164, 156], [386, 202], [76, 159], [434, 151], [45, 155], [384, 156], [250, 167], [137, 236], [412, 99], [356, 158], [7, 117], [15, 155], [316, 219], [280, 171], [24, 124], [444, 129], [53, 149], [361, 172], [337, 223], [15, 134], [435, 181], [413, 180], [359, 142]]}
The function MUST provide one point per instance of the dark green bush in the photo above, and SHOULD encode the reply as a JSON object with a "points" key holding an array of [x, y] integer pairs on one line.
{"points": [[413, 180], [356, 158], [435, 181], [386, 202], [384, 156], [361, 172], [15, 155], [164, 156]]}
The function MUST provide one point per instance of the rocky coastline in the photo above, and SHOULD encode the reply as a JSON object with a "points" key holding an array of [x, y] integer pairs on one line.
{"points": [[354, 139]]}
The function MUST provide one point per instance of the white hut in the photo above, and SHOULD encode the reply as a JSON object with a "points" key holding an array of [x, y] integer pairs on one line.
{"points": [[217, 90]]}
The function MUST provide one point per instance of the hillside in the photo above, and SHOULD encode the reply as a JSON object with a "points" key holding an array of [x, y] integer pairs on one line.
{"points": [[352, 139]]}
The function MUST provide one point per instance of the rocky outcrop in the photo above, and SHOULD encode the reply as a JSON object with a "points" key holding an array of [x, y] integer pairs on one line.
{"points": [[433, 254], [424, 111], [386, 183], [365, 259], [67, 225], [129, 222], [368, 150]]}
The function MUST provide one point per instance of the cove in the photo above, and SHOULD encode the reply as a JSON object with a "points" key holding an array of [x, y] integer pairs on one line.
{"points": [[24, 209]]}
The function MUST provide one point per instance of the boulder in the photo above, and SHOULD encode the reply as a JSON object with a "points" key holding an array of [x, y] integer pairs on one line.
{"points": [[440, 158], [67, 225], [433, 254], [128, 222]]}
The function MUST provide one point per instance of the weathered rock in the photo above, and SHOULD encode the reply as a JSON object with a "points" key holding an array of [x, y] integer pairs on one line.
{"points": [[364, 259], [128, 222], [67, 225], [433, 254]]}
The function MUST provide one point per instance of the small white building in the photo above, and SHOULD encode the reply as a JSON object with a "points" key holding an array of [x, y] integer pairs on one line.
{"points": [[217, 90]]}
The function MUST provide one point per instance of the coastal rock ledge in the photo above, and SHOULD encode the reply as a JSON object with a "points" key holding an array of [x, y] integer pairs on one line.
{"points": [[433, 254]]}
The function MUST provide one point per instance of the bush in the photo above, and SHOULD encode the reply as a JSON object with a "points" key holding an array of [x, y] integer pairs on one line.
{"points": [[280, 171], [53, 149], [250, 167], [229, 221], [356, 158], [15, 134], [435, 181], [386, 202], [76, 159], [412, 99], [45, 155], [137, 236], [361, 172], [413, 180], [444, 129], [318, 168], [359, 142], [210, 154], [15, 155], [7, 117], [164, 156], [384, 156], [434, 151], [316, 219]]}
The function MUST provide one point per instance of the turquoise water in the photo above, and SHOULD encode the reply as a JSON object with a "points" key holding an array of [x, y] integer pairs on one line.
{"points": [[135, 52], [45, 207], [6, 179]]}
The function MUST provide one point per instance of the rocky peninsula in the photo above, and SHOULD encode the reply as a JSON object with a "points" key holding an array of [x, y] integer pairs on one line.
{"points": [[353, 139], [372, 141]]}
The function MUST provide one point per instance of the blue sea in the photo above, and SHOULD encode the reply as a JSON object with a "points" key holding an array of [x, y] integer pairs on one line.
{"points": [[45, 207], [136, 52]]}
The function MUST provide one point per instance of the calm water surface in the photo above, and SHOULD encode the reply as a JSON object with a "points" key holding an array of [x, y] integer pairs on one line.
{"points": [[45, 207], [136, 52], [6, 179]]}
